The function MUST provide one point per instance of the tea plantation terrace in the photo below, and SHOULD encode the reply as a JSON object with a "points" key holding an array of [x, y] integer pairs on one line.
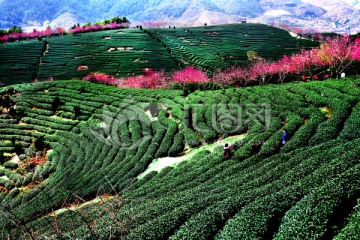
{"points": [[129, 51], [96, 140]]}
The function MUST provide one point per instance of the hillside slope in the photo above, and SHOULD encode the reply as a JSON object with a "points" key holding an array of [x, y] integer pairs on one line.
{"points": [[98, 139], [127, 52]]}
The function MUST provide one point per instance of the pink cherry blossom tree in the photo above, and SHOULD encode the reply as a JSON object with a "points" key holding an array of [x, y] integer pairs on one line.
{"points": [[4, 38], [48, 31], [338, 54], [356, 50], [101, 78], [189, 75], [61, 31], [149, 79]]}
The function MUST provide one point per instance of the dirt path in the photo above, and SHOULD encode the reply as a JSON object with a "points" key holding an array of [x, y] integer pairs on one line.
{"points": [[159, 164]]}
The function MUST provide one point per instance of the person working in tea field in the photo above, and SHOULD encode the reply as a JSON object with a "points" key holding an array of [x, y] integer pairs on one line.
{"points": [[304, 78], [256, 147], [227, 151], [284, 137]]}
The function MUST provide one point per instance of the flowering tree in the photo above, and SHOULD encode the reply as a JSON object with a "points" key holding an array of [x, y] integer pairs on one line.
{"points": [[338, 54], [277, 71], [101, 78], [317, 36], [260, 71], [149, 79], [60, 31], [97, 27], [227, 76], [17, 34], [4, 38], [48, 31], [76, 30], [35, 33], [132, 82], [189, 75], [356, 51]]}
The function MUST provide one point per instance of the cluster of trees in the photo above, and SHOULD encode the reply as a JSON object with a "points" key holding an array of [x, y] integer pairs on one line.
{"points": [[14, 29], [97, 27], [113, 20], [16, 33], [14, 36], [108, 24], [152, 79], [149, 79], [332, 57]]}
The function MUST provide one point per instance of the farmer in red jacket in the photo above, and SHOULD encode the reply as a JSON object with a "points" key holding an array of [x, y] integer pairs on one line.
{"points": [[304, 78], [227, 151]]}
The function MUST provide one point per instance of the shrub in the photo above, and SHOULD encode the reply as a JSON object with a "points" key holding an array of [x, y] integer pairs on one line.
{"points": [[351, 230], [13, 193], [318, 207], [165, 144], [349, 131], [9, 185], [332, 127], [11, 165], [178, 145], [191, 138]]}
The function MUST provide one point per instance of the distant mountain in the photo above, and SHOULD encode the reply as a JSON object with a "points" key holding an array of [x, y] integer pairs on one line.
{"points": [[339, 13], [240, 7], [324, 15], [344, 17], [302, 13], [330, 4], [22, 11], [295, 8]]}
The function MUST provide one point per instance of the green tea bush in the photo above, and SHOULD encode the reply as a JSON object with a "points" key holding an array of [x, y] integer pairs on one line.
{"points": [[249, 196], [178, 145], [191, 138], [11, 165]]}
